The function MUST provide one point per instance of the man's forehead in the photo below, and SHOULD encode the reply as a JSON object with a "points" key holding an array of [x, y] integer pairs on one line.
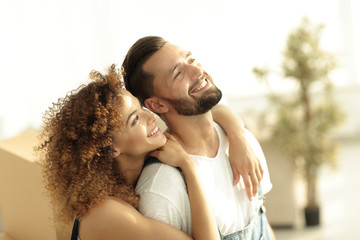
{"points": [[172, 48], [164, 58]]}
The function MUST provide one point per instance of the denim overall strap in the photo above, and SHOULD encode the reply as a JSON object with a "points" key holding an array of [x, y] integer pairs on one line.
{"points": [[257, 229], [152, 160]]}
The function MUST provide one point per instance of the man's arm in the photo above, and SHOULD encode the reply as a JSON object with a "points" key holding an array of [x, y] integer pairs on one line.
{"points": [[243, 159]]}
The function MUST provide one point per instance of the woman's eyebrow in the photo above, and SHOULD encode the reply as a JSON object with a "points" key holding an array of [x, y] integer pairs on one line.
{"points": [[130, 116]]}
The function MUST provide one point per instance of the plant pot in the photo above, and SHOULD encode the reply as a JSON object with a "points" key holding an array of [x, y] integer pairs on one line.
{"points": [[312, 216]]}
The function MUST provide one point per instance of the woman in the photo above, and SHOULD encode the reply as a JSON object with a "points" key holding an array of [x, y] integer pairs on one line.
{"points": [[96, 140]]}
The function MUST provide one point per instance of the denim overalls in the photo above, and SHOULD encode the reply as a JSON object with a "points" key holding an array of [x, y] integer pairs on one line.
{"points": [[257, 229]]}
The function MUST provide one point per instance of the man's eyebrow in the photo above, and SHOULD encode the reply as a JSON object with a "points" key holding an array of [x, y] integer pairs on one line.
{"points": [[188, 53], [130, 116], [174, 68]]}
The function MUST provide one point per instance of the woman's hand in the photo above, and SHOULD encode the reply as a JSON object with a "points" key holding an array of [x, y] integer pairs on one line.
{"points": [[172, 153], [245, 163], [243, 160]]}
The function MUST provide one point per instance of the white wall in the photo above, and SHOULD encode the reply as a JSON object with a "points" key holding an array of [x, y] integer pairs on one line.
{"points": [[47, 47]]}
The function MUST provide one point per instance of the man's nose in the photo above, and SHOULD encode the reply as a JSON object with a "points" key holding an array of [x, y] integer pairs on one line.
{"points": [[194, 71]]}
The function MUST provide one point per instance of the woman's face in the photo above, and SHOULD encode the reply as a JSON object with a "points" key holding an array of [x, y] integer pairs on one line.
{"points": [[141, 134]]}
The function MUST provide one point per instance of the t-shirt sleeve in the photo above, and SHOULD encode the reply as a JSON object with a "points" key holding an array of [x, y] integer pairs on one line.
{"points": [[154, 206], [163, 196]]}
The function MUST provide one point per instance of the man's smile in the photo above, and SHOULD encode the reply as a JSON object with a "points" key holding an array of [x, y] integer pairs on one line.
{"points": [[200, 85]]}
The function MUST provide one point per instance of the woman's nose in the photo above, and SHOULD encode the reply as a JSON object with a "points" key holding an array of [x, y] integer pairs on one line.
{"points": [[151, 117]]}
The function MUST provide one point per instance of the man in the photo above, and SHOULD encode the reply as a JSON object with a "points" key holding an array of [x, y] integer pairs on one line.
{"points": [[170, 82]]}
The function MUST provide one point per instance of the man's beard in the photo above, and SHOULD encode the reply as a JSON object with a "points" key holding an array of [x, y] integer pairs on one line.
{"points": [[193, 106]]}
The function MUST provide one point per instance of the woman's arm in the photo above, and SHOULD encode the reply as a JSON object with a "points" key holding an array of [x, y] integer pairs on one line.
{"points": [[243, 159], [115, 219], [203, 220]]}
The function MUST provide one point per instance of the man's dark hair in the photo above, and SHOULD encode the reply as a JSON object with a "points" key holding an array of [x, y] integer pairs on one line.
{"points": [[137, 81]]}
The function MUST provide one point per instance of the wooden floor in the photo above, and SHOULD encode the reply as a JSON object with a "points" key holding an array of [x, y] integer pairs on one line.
{"points": [[339, 195]]}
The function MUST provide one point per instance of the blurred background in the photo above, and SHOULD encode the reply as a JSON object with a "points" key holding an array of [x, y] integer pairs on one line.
{"points": [[48, 47]]}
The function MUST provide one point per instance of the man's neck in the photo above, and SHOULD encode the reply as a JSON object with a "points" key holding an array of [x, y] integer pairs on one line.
{"points": [[196, 134]]}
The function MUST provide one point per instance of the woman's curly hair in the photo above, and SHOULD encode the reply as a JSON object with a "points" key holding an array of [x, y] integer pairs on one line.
{"points": [[77, 144]]}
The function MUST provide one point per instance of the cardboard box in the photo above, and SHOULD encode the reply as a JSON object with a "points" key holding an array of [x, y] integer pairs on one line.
{"points": [[25, 208], [4, 236]]}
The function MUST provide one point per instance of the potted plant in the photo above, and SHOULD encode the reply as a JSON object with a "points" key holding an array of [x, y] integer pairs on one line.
{"points": [[305, 118]]}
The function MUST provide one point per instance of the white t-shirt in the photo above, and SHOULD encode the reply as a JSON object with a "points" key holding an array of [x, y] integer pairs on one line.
{"points": [[163, 194]]}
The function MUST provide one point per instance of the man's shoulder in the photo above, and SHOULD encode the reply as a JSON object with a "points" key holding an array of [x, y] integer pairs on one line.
{"points": [[159, 178]]}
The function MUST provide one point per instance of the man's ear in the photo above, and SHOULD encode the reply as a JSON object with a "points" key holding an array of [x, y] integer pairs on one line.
{"points": [[155, 105]]}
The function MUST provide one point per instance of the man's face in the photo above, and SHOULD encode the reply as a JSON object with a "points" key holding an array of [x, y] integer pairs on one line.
{"points": [[182, 81]]}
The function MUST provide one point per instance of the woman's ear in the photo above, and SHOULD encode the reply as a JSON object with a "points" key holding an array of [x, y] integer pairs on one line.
{"points": [[116, 152], [155, 105]]}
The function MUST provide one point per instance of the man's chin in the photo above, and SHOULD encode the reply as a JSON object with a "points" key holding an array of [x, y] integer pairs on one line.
{"points": [[197, 106], [202, 106]]}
